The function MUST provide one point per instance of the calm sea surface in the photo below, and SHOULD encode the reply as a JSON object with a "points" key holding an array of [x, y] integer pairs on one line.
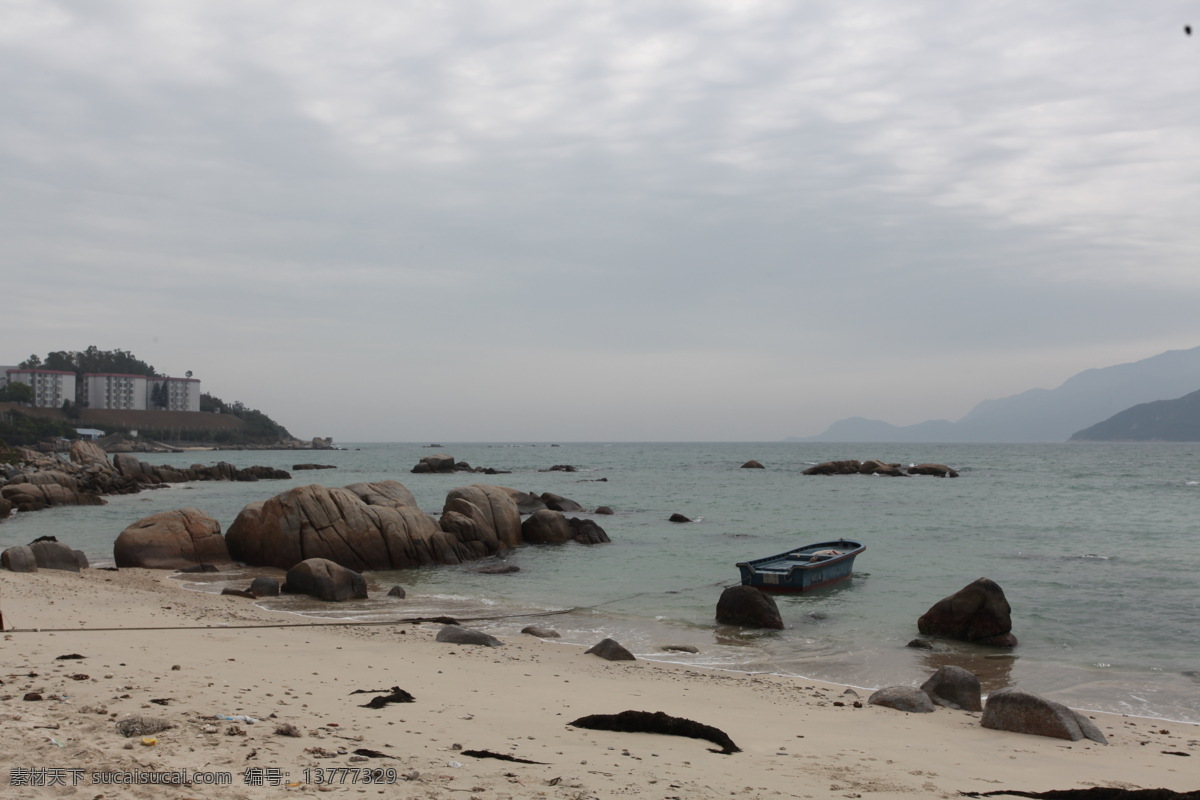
{"points": [[1097, 547]]}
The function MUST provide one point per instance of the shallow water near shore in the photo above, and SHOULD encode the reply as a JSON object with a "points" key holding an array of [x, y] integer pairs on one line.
{"points": [[1095, 546]]}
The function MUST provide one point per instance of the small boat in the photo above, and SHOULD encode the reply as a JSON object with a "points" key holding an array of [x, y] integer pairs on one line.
{"points": [[803, 568]]}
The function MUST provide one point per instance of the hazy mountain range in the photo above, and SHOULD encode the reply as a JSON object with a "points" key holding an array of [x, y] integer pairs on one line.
{"points": [[1042, 415]]}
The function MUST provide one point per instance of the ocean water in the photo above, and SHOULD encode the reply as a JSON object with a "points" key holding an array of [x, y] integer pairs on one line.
{"points": [[1097, 548]]}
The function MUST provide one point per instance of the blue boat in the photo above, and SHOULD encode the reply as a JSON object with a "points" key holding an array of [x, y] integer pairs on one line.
{"points": [[803, 568]]}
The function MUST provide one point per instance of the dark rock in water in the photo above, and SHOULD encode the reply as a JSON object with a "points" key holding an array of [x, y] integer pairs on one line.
{"points": [[557, 502], [603, 511], [920, 644], [976, 613], [1022, 712], [610, 650], [902, 698], [679, 648], [325, 580], [748, 607], [541, 633], [456, 634], [657, 722], [752, 465], [546, 526], [527, 503], [299, 467], [55, 555], [19, 559], [954, 687], [937, 470], [499, 569], [587, 531], [849, 467], [438, 463], [397, 591], [874, 466], [238, 592], [678, 518], [264, 587], [560, 468]]}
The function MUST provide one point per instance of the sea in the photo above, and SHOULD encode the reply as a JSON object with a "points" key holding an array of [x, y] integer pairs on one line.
{"points": [[1096, 546]]}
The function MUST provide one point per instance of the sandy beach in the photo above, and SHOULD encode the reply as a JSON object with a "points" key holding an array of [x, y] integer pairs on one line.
{"points": [[232, 689]]}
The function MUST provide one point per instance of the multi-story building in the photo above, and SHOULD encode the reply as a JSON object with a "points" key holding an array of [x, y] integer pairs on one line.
{"points": [[114, 390], [173, 394], [51, 387]]}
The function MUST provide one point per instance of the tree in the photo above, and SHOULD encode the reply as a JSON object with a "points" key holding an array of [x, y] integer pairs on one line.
{"points": [[17, 392], [188, 374], [33, 362]]}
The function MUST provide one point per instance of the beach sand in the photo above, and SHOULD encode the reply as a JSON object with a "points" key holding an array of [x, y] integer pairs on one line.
{"points": [[798, 738]]}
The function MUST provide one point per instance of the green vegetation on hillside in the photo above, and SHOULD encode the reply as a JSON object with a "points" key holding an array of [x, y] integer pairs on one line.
{"points": [[259, 427], [23, 430], [92, 359]]}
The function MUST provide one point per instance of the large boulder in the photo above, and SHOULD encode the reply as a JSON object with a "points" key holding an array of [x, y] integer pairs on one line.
{"points": [[954, 687], [546, 527], [874, 466], [492, 509], [557, 502], [902, 698], [19, 559], [1022, 712], [937, 470], [435, 463], [325, 580], [587, 531], [171, 540], [456, 634], [56, 555], [748, 607], [976, 613], [364, 526]]}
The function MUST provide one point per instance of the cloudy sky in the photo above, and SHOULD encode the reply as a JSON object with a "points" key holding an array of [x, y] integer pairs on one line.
{"points": [[586, 221]]}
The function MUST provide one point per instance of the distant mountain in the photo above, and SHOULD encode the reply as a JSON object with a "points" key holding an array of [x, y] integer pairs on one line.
{"points": [[1161, 421], [1042, 415]]}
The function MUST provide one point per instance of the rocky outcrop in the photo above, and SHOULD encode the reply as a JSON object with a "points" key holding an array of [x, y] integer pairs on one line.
{"points": [[456, 634], [442, 463], [365, 526], [1022, 712], [556, 502], [749, 608], [551, 527], [325, 580], [937, 470], [752, 464], [875, 466], [139, 471], [834, 468], [171, 540], [977, 613], [19, 559], [49, 553], [497, 522]]}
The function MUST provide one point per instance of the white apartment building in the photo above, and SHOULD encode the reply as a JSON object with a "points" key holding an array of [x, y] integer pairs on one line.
{"points": [[177, 394], [114, 390], [51, 387]]}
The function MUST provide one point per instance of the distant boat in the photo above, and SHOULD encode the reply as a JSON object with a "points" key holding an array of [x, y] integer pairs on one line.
{"points": [[803, 568]]}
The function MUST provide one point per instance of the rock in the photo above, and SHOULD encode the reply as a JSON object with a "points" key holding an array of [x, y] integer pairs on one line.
{"points": [[299, 467], [587, 531], [678, 518], [200, 568], [902, 698], [498, 569], [954, 687], [171, 540], [976, 613], [437, 463], [527, 503], [397, 591], [19, 559], [752, 465], [749, 608], [610, 650], [1021, 712], [492, 509], [6, 508], [456, 634], [264, 587], [603, 511], [920, 644], [546, 527], [834, 468], [55, 555], [938, 470], [679, 648], [541, 633], [560, 468], [229, 590], [559, 503], [364, 526], [325, 580], [876, 467]]}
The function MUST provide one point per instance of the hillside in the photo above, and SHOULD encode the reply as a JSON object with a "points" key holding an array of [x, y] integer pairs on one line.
{"points": [[197, 426], [1161, 421], [1043, 415]]}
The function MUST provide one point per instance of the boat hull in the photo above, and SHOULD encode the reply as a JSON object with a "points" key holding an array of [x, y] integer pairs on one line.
{"points": [[803, 569]]}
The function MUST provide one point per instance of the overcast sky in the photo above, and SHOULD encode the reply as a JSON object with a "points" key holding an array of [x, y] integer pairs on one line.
{"points": [[601, 221]]}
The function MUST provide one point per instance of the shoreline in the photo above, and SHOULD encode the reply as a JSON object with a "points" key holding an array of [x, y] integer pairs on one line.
{"points": [[799, 737]]}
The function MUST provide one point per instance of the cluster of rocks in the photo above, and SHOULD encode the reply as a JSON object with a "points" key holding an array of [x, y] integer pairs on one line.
{"points": [[39, 480], [44, 553], [442, 463], [876, 467]]}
